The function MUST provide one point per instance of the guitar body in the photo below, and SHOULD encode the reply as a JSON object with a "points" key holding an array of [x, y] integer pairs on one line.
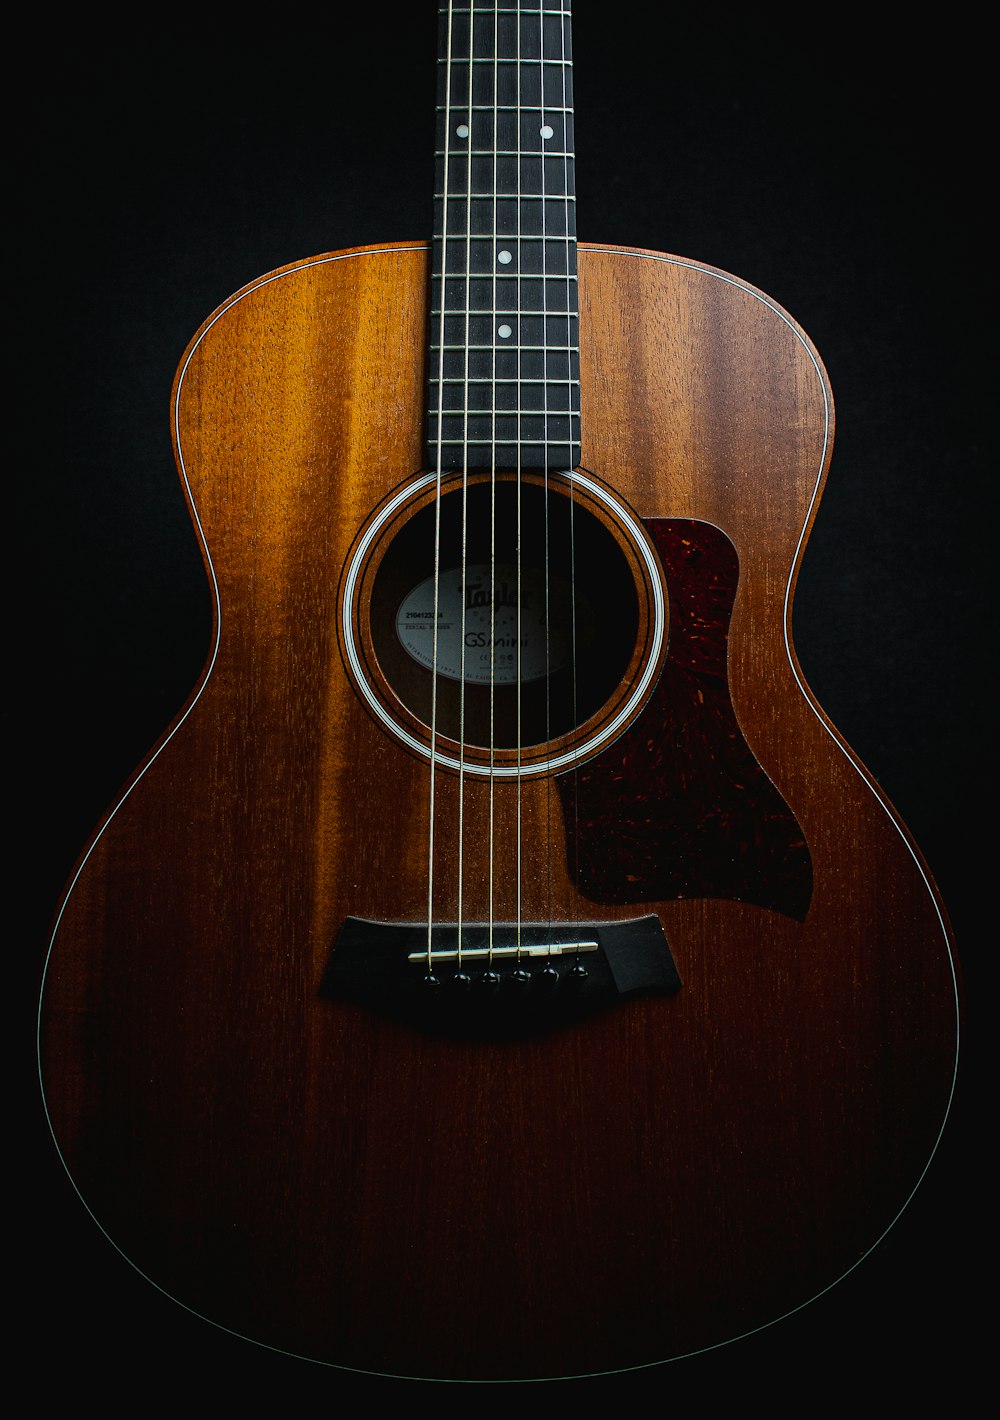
{"points": [[651, 1179]]}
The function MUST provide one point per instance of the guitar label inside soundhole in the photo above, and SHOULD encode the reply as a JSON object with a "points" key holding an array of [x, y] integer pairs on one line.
{"points": [[499, 611]]}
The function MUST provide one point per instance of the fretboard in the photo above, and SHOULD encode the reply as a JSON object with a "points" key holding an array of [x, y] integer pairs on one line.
{"points": [[504, 354]]}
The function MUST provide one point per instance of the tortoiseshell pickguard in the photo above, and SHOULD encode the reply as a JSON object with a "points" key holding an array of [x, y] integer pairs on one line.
{"points": [[678, 806]]}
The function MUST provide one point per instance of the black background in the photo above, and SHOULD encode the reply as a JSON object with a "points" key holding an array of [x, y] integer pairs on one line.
{"points": [[837, 170]]}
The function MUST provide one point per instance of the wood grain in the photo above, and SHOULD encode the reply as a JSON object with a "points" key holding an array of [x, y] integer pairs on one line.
{"points": [[654, 1181]]}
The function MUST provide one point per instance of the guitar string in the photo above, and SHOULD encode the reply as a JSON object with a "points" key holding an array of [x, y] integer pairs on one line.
{"points": [[519, 479], [567, 120], [546, 455], [493, 486], [439, 459], [465, 491]]}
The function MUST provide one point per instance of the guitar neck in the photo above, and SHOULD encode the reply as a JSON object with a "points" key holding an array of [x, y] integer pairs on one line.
{"points": [[504, 352]]}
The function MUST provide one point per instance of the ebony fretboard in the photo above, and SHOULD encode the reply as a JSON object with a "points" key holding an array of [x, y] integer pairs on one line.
{"points": [[504, 361]]}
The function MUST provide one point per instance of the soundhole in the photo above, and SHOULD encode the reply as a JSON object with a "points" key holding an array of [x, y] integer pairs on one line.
{"points": [[539, 613]]}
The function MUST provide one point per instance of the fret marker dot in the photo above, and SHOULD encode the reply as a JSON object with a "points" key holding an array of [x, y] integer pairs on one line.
{"points": [[504, 257], [462, 130], [546, 131], [504, 332]]}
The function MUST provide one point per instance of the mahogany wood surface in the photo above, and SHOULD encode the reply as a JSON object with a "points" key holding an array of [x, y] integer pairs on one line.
{"points": [[657, 1180]]}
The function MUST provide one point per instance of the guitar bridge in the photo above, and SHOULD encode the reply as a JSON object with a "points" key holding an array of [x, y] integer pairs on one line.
{"points": [[500, 981]]}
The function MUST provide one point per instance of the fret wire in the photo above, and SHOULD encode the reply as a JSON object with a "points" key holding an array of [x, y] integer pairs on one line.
{"points": [[506, 276], [509, 443], [500, 311], [541, 156], [510, 153], [502, 108], [524, 348], [513, 237], [497, 10], [504, 59], [505, 197], [500, 417], [514, 409], [510, 379]]}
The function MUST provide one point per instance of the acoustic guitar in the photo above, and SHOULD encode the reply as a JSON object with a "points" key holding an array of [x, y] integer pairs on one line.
{"points": [[501, 968]]}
